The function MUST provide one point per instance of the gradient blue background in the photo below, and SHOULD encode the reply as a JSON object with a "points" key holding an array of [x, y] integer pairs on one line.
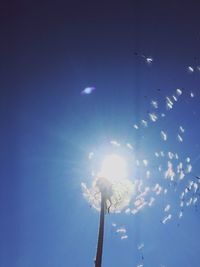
{"points": [[50, 51]]}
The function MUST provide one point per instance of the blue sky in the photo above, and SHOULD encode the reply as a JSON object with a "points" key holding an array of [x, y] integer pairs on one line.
{"points": [[50, 52]]}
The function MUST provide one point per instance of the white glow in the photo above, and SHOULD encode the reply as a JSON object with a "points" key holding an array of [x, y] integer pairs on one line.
{"points": [[113, 168]]}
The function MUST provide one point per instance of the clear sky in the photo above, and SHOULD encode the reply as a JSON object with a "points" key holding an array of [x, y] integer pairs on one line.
{"points": [[50, 52]]}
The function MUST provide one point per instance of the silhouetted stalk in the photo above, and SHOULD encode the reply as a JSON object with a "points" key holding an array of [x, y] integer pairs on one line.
{"points": [[99, 252]]}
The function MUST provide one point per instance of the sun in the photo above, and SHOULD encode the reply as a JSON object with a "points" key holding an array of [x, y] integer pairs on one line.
{"points": [[114, 168]]}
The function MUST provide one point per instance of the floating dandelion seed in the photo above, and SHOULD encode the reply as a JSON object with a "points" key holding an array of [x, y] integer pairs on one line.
{"points": [[159, 190], [165, 191], [170, 155], [181, 175], [162, 154], [141, 246], [182, 130], [142, 195], [121, 230], [187, 160], [170, 172], [174, 98], [169, 103], [178, 92], [153, 117], [189, 202], [188, 168], [129, 146], [148, 174], [144, 123], [192, 95], [91, 154], [88, 90], [154, 104], [167, 218], [195, 185], [149, 60], [137, 162], [115, 143], [180, 138], [179, 167], [180, 215], [124, 237], [151, 201], [195, 200], [167, 208], [136, 126], [127, 211], [163, 135], [160, 168], [190, 69], [145, 162]]}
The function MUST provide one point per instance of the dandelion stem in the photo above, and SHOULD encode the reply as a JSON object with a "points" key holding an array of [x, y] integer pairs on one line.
{"points": [[101, 233]]}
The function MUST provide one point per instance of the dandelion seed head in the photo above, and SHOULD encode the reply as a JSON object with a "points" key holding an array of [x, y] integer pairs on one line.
{"points": [[117, 195]]}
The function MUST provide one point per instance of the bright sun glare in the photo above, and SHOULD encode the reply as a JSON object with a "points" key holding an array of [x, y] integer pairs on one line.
{"points": [[113, 168]]}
